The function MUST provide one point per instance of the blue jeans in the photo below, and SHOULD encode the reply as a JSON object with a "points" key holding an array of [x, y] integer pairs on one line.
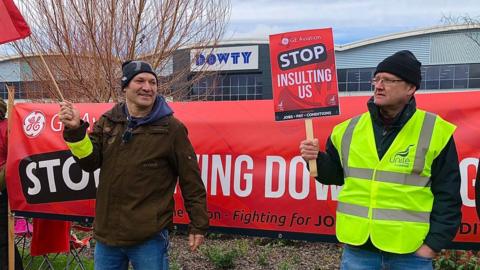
{"points": [[354, 258], [149, 255]]}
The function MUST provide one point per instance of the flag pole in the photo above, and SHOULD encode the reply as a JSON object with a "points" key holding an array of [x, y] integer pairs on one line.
{"points": [[312, 164], [46, 66], [11, 220]]}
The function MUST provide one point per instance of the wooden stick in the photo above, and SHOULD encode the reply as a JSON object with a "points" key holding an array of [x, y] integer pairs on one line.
{"points": [[11, 233], [11, 240], [46, 66], [309, 131]]}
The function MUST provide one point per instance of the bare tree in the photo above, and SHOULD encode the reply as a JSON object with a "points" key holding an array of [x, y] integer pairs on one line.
{"points": [[85, 41], [469, 21]]}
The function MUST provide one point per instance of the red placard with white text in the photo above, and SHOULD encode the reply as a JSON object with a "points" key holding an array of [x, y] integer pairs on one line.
{"points": [[252, 183], [304, 78]]}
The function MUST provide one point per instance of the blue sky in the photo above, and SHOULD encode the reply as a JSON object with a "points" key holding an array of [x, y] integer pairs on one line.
{"points": [[352, 20]]}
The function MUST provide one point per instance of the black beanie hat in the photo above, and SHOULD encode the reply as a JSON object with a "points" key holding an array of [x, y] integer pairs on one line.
{"points": [[131, 68], [404, 65]]}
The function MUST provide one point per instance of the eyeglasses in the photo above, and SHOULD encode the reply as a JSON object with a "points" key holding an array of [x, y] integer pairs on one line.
{"points": [[384, 81]]}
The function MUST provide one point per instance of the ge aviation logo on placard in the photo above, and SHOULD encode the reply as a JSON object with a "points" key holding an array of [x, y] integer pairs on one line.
{"points": [[33, 124]]}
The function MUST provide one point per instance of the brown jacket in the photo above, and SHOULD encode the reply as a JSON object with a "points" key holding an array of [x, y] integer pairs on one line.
{"points": [[137, 179]]}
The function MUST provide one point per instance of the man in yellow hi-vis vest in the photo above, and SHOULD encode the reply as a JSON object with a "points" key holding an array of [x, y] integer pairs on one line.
{"points": [[400, 202]]}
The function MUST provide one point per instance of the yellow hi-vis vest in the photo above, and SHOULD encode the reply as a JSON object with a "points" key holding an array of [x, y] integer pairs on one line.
{"points": [[388, 200]]}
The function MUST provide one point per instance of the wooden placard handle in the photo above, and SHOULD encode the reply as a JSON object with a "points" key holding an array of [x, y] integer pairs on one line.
{"points": [[309, 131]]}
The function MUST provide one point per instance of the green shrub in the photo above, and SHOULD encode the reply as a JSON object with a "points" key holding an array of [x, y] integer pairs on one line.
{"points": [[242, 246], [288, 263], [174, 265], [457, 260], [215, 236], [284, 265], [173, 260], [263, 256], [220, 257]]}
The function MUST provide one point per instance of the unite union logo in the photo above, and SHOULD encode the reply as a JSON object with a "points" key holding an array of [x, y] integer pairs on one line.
{"points": [[34, 123], [401, 159]]}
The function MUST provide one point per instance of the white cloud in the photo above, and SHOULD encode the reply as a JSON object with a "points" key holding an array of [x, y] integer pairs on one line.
{"points": [[260, 31], [372, 17]]}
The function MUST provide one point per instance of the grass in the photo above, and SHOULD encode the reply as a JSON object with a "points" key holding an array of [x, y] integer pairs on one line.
{"points": [[220, 257], [263, 256], [223, 258], [57, 261]]}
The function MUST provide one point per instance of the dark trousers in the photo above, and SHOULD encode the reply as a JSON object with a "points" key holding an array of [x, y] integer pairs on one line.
{"points": [[4, 239]]}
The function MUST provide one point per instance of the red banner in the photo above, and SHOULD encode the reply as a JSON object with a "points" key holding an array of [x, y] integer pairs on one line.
{"points": [[304, 78], [250, 164]]}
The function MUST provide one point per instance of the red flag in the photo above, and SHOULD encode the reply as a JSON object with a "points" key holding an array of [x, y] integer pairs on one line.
{"points": [[12, 24], [50, 236]]}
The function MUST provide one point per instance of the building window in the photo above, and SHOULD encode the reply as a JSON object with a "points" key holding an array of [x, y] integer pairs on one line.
{"points": [[474, 83], [446, 84], [18, 86], [432, 73], [432, 85], [228, 87], [342, 75], [3, 90], [474, 71], [352, 80], [445, 77], [446, 74], [366, 76], [461, 72]]}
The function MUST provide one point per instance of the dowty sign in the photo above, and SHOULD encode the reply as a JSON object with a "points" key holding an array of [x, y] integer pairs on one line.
{"points": [[224, 58]]}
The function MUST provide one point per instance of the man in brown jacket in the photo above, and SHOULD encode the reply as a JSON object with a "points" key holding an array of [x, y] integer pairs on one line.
{"points": [[141, 149]]}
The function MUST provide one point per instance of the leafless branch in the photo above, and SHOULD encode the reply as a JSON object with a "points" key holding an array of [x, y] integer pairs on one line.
{"points": [[84, 42], [470, 21]]}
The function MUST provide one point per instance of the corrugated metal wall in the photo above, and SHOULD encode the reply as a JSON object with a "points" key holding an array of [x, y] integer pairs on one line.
{"points": [[455, 48], [10, 71], [430, 49], [452, 47]]}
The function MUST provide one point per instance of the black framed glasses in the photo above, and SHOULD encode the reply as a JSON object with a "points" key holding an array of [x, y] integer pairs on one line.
{"points": [[384, 81]]}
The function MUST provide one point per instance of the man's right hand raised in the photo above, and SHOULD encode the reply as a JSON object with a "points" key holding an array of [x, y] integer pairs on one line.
{"points": [[309, 149], [69, 115]]}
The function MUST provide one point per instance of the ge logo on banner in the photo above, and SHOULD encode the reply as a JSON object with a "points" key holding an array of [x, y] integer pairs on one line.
{"points": [[33, 124]]}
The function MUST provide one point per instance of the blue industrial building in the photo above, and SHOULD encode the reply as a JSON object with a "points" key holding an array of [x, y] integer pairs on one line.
{"points": [[450, 57]]}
